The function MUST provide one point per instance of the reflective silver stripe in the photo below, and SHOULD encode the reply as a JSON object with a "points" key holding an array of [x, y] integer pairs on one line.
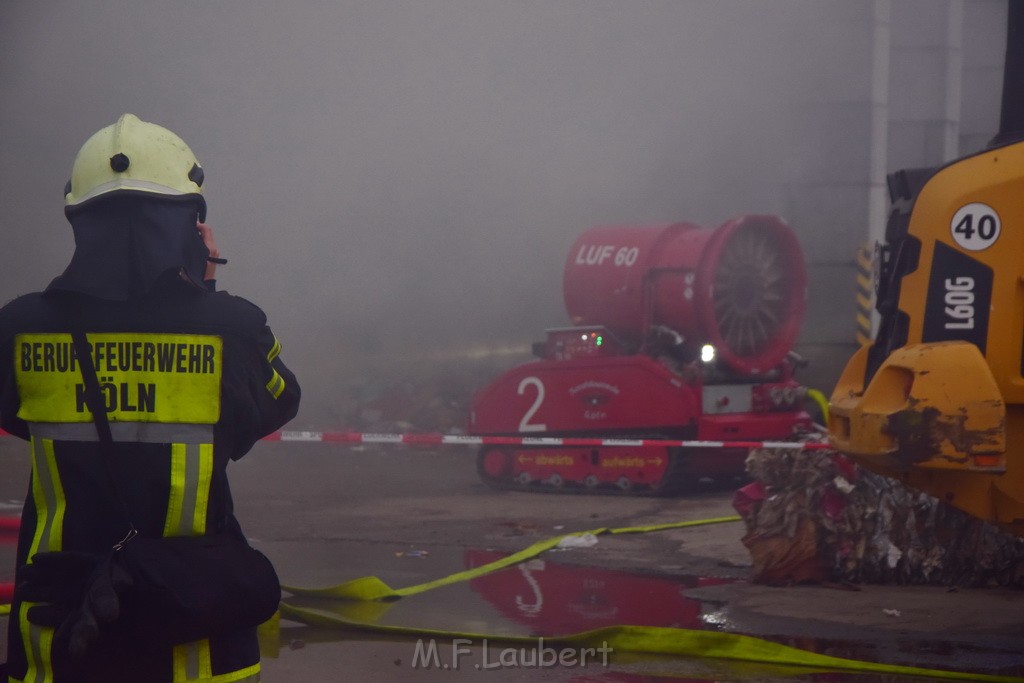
{"points": [[48, 495], [250, 674], [139, 432], [188, 501], [127, 184], [189, 493], [192, 662], [187, 661]]}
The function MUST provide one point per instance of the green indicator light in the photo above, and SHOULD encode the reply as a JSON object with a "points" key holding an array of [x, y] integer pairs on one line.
{"points": [[599, 340]]}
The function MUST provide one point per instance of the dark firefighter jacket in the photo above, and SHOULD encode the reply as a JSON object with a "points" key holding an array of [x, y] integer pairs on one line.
{"points": [[191, 380]]}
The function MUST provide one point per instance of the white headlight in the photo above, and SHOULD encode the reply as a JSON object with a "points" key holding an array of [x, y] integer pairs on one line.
{"points": [[707, 353]]}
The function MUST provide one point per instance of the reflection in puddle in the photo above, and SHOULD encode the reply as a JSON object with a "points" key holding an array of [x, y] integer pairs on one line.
{"points": [[555, 599]]}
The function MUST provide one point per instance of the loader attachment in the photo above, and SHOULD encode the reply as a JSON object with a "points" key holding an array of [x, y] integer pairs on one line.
{"points": [[932, 416], [930, 406]]}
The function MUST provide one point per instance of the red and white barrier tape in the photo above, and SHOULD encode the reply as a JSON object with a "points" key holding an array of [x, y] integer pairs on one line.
{"points": [[455, 439], [463, 440], [9, 527]]}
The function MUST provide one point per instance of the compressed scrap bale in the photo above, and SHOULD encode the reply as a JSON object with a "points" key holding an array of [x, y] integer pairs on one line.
{"points": [[865, 528], [779, 559]]}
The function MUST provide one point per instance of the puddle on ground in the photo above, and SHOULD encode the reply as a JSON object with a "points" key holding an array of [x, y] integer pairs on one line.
{"points": [[541, 597]]}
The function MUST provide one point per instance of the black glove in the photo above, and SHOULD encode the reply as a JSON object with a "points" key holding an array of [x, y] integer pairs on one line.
{"points": [[78, 609], [58, 578]]}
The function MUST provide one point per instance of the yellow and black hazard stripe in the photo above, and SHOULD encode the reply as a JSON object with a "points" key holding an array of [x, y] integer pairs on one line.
{"points": [[865, 291]]}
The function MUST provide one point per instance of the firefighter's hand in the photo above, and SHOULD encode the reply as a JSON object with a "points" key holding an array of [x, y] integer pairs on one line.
{"points": [[101, 605], [206, 233]]}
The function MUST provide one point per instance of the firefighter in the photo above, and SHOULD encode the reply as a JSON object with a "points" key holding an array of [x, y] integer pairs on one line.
{"points": [[191, 378]]}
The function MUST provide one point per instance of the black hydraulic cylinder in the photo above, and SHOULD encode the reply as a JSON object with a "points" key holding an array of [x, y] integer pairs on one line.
{"points": [[1011, 115]]}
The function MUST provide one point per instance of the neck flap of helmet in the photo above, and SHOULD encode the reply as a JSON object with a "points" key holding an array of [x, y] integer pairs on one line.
{"points": [[129, 244]]}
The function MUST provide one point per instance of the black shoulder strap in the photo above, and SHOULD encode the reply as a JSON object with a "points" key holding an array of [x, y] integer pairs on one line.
{"points": [[93, 396], [98, 408]]}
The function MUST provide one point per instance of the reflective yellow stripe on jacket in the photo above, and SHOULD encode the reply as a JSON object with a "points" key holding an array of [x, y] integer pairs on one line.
{"points": [[191, 469], [38, 643], [192, 665], [276, 384], [48, 496]]}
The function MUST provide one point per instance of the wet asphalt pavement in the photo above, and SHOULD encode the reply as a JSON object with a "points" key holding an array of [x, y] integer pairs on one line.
{"points": [[326, 514]]}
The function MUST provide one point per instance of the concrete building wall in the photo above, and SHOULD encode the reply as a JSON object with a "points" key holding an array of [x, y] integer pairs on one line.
{"points": [[829, 201]]}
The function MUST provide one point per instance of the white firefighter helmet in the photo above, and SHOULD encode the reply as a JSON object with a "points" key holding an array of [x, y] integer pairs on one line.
{"points": [[134, 156]]}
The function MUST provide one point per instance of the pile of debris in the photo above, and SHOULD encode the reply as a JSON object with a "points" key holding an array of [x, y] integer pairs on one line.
{"points": [[427, 401], [815, 516], [438, 403]]}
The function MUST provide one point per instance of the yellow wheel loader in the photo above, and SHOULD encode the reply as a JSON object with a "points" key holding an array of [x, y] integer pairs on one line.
{"points": [[937, 400]]}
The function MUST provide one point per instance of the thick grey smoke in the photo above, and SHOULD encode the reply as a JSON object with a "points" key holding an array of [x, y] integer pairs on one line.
{"points": [[398, 177]]}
